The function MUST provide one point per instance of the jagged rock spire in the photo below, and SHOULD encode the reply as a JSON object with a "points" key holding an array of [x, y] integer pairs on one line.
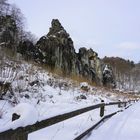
{"points": [[55, 28]]}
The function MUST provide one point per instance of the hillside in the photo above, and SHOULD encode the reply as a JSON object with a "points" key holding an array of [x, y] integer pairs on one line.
{"points": [[48, 93], [44, 81], [126, 72], [56, 51]]}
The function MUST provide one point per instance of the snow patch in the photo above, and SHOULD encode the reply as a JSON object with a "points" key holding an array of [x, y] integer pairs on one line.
{"points": [[28, 116]]}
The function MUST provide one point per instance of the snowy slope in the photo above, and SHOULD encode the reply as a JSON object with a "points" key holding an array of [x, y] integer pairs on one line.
{"points": [[123, 126], [49, 95]]}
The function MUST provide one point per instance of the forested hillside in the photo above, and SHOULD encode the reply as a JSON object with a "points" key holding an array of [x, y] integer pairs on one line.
{"points": [[127, 73]]}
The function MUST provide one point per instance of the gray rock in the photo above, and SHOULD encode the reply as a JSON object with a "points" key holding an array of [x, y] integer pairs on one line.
{"points": [[58, 52], [81, 97]]}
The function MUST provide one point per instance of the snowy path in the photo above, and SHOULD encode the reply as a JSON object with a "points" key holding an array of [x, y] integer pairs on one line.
{"points": [[71, 128], [123, 126]]}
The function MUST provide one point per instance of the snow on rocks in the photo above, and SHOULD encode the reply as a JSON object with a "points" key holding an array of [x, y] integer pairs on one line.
{"points": [[28, 116], [84, 86], [106, 69]]}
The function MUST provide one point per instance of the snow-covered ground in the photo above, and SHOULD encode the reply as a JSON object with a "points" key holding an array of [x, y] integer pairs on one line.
{"points": [[49, 95], [123, 126], [71, 128]]}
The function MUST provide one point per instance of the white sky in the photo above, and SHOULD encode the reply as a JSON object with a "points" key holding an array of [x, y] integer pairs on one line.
{"points": [[110, 27]]}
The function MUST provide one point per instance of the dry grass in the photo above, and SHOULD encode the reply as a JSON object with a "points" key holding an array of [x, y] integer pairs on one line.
{"points": [[77, 79]]}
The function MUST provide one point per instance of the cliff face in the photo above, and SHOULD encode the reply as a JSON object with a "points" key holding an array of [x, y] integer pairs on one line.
{"points": [[89, 65], [58, 51]]}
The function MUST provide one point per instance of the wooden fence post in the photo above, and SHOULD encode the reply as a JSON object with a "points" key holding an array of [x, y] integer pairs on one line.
{"points": [[102, 109], [18, 134], [22, 133], [125, 104], [119, 105]]}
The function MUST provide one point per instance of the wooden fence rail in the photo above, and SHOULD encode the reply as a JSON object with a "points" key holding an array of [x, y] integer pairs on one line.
{"points": [[98, 123], [94, 126], [21, 133]]}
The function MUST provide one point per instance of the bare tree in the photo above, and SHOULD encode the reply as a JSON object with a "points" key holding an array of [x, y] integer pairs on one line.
{"points": [[4, 7], [29, 36]]}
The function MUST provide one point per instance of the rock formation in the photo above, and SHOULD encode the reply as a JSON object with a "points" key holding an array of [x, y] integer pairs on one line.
{"points": [[89, 65], [58, 51], [28, 50]]}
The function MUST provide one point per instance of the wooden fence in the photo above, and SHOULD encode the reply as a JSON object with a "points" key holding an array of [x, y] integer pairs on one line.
{"points": [[21, 133]]}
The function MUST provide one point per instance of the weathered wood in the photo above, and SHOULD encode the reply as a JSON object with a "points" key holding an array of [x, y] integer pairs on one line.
{"points": [[98, 123], [102, 109], [114, 103], [22, 133], [119, 105], [14, 134], [94, 126], [17, 134], [59, 118], [62, 117]]}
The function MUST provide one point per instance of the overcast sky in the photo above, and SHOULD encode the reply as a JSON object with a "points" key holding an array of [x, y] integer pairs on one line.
{"points": [[110, 27]]}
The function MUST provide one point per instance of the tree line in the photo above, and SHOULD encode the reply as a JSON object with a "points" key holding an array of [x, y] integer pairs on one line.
{"points": [[127, 73]]}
